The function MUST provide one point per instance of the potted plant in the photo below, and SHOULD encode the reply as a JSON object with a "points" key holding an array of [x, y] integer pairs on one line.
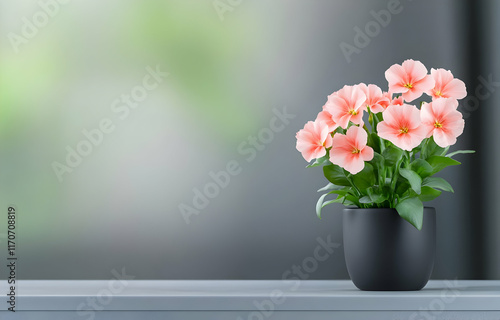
{"points": [[383, 170]]}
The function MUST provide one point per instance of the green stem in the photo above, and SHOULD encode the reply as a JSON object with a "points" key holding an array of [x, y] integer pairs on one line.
{"points": [[375, 123], [352, 184], [394, 181], [370, 118], [384, 176], [423, 152], [407, 159]]}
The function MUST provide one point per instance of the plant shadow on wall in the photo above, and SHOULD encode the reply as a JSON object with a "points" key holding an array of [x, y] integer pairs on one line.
{"points": [[390, 161]]}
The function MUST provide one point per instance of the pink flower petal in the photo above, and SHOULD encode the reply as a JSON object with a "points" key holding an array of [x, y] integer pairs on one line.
{"points": [[350, 150], [355, 165], [443, 138], [313, 140], [357, 137], [455, 89], [402, 126], [346, 105], [410, 79], [441, 120], [414, 69], [396, 76], [446, 86], [367, 153]]}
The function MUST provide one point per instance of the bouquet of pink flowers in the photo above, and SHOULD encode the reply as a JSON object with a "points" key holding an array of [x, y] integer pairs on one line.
{"points": [[390, 161]]}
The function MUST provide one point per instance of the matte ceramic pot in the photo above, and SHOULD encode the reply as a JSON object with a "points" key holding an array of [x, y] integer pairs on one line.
{"points": [[384, 252]]}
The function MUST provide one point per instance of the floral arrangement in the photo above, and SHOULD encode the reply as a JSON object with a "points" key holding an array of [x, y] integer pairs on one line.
{"points": [[390, 161]]}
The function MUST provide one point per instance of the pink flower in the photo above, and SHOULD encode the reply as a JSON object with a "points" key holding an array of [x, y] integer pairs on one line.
{"points": [[401, 126], [313, 140], [346, 105], [446, 86], [375, 99], [397, 101], [392, 101], [326, 117], [410, 79], [350, 150], [442, 120]]}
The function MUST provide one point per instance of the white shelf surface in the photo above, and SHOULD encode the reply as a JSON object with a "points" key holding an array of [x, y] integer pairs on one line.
{"points": [[247, 295]]}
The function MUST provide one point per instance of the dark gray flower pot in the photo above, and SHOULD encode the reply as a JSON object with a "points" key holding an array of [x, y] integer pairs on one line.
{"points": [[384, 252]]}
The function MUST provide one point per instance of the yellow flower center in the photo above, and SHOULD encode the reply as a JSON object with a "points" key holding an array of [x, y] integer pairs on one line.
{"points": [[437, 124], [438, 93], [355, 150], [403, 130], [353, 112], [408, 85]]}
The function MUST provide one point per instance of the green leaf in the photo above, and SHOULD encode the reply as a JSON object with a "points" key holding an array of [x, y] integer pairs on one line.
{"points": [[378, 164], [319, 162], [459, 152], [377, 161], [335, 175], [352, 199], [340, 130], [402, 186], [413, 178], [438, 183], [412, 210], [422, 168], [330, 186], [431, 149], [375, 196], [392, 154], [428, 194], [438, 163], [338, 200], [341, 192], [374, 141], [365, 199], [365, 178], [319, 205]]}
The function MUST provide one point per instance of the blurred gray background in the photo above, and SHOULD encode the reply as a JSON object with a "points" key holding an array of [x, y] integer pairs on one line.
{"points": [[229, 74]]}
